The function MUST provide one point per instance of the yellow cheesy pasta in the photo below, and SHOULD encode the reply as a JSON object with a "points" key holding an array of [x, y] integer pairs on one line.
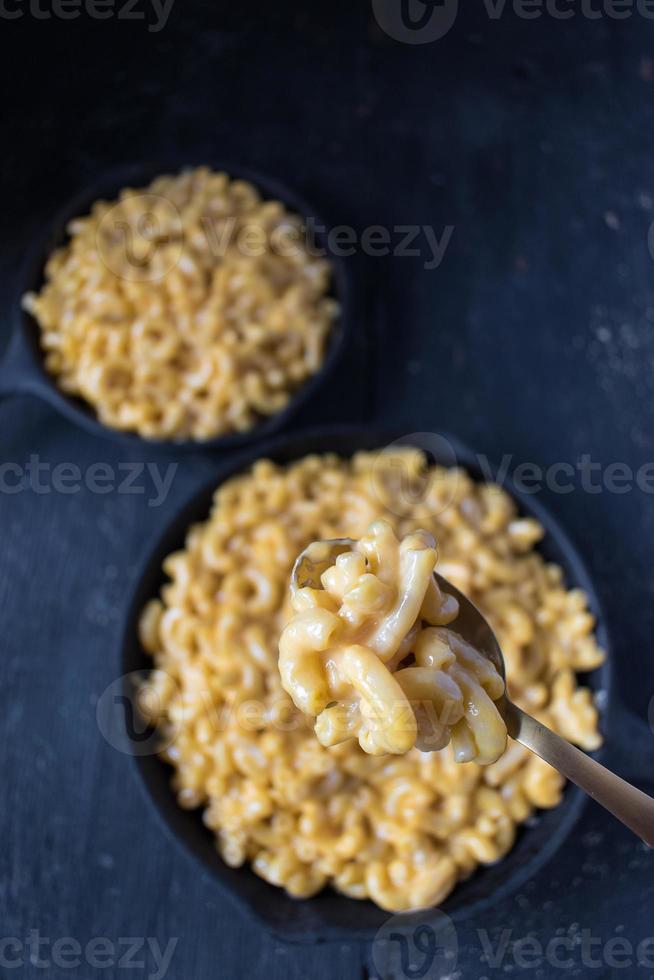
{"points": [[187, 309], [401, 830], [367, 652]]}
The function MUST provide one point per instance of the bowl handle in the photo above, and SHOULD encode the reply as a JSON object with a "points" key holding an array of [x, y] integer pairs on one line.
{"points": [[18, 371]]}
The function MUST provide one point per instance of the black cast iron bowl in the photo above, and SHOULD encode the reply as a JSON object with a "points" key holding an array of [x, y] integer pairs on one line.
{"points": [[23, 369], [330, 917]]}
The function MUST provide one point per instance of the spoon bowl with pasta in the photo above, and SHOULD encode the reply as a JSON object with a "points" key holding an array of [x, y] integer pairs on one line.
{"points": [[382, 648]]}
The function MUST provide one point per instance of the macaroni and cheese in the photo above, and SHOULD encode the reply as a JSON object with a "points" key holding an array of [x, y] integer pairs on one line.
{"points": [[398, 829], [367, 652], [188, 309]]}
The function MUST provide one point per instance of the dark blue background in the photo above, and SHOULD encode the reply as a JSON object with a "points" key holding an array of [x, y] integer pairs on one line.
{"points": [[534, 339]]}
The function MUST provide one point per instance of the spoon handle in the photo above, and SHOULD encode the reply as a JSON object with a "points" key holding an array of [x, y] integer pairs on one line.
{"points": [[624, 801]]}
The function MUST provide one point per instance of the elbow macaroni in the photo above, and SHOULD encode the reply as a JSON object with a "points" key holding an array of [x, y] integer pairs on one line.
{"points": [[400, 830], [186, 310], [366, 652]]}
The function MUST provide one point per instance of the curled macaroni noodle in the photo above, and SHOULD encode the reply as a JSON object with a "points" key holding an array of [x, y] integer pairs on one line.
{"points": [[366, 652], [188, 309], [401, 830]]}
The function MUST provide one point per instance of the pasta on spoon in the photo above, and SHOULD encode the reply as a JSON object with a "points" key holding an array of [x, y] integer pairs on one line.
{"points": [[370, 654]]}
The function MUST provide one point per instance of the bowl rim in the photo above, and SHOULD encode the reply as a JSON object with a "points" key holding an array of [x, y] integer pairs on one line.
{"points": [[24, 354], [288, 446]]}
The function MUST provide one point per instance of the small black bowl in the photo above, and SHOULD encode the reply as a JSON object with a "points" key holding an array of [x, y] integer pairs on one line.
{"points": [[23, 367], [330, 917]]}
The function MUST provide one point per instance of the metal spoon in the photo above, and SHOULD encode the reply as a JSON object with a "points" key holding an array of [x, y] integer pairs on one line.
{"points": [[634, 808]]}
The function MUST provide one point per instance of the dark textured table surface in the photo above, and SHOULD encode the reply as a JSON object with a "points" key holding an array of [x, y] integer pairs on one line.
{"points": [[533, 340]]}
